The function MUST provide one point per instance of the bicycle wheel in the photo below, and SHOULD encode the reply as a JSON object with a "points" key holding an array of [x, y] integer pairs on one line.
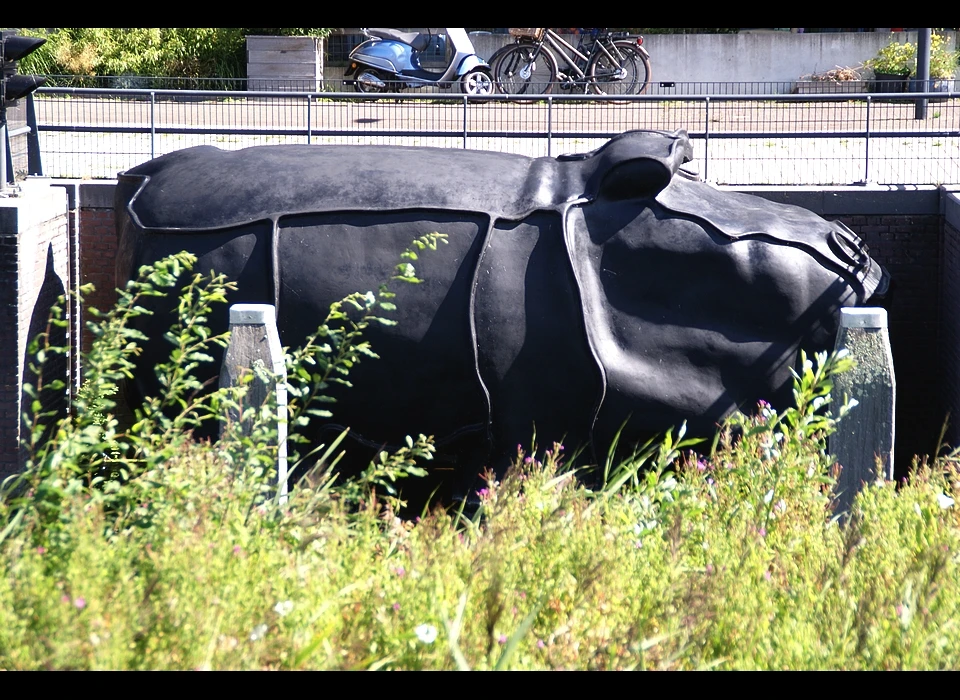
{"points": [[619, 68], [525, 69]]}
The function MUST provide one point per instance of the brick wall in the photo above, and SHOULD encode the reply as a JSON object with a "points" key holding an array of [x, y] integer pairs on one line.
{"points": [[903, 228], [950, 315], [913, 244], [98, 257], [909, 247], [34, 260]]}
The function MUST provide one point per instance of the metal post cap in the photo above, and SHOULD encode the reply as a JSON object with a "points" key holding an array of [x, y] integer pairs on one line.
{"points": [[863, 317], [252, 314]]}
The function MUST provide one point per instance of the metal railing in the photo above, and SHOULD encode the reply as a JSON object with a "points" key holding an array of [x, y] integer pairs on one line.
{"points": [[827, 139]]}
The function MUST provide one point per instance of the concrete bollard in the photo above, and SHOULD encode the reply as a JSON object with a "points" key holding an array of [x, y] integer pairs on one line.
{"points": [[255, 341], [866, 436]]}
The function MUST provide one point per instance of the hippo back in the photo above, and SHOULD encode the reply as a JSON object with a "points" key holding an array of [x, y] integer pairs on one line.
{"points": [[575, 292]]}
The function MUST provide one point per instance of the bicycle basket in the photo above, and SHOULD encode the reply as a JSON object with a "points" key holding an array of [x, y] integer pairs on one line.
{"points": [[527, 33]]}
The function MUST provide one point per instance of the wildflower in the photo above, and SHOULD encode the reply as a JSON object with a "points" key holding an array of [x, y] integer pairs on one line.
{"points": [[701, 466], [426, 633], [502, 639], [766, 575], [483, 493], [944, 500], [258, 632], [283, 608], [527, 460], [400, 571], [64, 598], [237, 549], [41, 550], [396, 607], [80, 602], [540, 644]]}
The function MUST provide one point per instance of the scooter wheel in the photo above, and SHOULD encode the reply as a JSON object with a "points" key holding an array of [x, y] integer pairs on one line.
{"points": [[478, 81]]}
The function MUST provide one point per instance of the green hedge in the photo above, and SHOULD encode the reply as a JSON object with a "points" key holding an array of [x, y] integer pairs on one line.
{"points": [[190, 52]]}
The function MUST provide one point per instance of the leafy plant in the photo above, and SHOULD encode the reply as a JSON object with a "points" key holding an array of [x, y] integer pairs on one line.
{"points": [[896, 58], [900, 58]]}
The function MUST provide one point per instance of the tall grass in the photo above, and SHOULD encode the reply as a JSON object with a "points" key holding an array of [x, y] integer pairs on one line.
{"points": [[729, 558]]}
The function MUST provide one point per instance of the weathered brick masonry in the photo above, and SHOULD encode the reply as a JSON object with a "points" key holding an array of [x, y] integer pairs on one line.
{"points": [[34, 273], [906, 231], [98, 246], [950, 313]]}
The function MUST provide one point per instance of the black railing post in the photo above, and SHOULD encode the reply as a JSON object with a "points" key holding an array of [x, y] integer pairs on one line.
{"points": [[549, 126], [34, 163], [706, 139], [153, 124], [866, 145]]}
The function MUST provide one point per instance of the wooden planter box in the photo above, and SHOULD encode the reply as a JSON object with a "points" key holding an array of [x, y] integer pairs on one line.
{"points": [[830, 87], [889, 82], [285, 63]]}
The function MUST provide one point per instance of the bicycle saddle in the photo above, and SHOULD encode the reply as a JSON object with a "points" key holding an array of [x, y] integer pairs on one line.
{"points": [[419, 41]]}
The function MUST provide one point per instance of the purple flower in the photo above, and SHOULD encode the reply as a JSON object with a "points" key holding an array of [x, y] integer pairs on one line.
{"points": [[396, 606], [502, 639], [41, 550], [400, 571], [80, 602], [237, 549], [483, 493], [540, 644]]}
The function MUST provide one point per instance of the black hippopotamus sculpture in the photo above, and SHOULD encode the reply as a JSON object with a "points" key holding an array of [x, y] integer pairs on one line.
{"points": [[575, 292]]}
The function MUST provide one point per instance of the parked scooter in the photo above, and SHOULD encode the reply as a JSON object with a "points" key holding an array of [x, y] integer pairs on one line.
{"points": [[389, 61]]}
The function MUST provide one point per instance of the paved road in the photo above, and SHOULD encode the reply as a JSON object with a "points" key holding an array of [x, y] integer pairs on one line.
{"points": [[777, 157]]}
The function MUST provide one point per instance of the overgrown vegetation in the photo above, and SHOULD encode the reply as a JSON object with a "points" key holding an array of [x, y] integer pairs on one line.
{"points": [[143, 549], [181, 52]]}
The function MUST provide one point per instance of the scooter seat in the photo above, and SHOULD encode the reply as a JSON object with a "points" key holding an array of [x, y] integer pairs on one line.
{"points": [[418, 41]]}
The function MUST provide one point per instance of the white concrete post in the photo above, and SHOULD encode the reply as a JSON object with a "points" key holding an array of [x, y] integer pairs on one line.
{"points": [[255, 341], [863, 443]]}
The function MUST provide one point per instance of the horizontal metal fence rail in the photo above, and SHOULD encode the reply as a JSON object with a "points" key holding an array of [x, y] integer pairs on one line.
{"points": [[738, 139]]}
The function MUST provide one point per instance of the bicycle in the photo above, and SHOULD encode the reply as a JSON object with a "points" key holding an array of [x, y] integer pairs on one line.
{"points": [[606, 65]]}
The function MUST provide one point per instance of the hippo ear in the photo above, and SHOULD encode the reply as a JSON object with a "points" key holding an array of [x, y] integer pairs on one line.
{"points": [[636, 164], [635, 179]]}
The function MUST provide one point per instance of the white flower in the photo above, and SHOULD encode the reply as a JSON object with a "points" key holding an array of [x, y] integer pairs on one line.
{"points": [[258, 632], [944, 500], [426, 633], [283, 607]]}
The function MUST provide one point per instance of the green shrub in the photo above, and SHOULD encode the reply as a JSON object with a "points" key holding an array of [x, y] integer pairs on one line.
{"points": [[185, 52], [731, 558]]}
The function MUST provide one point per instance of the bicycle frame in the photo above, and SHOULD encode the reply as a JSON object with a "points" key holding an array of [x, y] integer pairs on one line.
{"points": [[558, 43]]}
